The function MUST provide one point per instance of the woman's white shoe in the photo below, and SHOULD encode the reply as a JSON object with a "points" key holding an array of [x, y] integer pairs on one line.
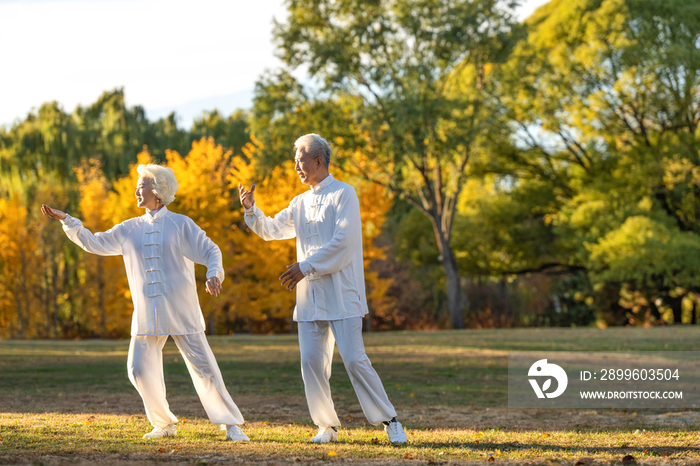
{"points": [[325, 435], [235, 434], [157, 432]]}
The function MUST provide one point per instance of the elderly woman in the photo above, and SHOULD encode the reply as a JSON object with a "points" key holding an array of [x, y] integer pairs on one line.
{"points": [[159, 250]]}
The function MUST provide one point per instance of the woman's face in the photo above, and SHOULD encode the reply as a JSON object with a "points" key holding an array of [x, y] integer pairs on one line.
{"points": [[144, 194]]}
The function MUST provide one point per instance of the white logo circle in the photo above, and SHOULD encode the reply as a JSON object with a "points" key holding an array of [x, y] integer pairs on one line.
{"points": [[543, 369]]}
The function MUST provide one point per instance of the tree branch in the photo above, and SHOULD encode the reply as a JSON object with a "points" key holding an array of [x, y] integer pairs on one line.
{"points": [[451, 201]]}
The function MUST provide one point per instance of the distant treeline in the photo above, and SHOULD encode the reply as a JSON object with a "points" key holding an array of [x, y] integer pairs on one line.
{"points": [[544, 173]]}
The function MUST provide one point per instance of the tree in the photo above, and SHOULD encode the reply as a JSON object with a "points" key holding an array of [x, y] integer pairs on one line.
{"points": [[103, 289], [231, 132], [413, 73], [18, 269], [604, 99]]}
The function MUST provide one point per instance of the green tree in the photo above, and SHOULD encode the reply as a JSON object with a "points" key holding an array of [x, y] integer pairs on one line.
{"points": [[410, 78], [231, 132], [604, 99]]}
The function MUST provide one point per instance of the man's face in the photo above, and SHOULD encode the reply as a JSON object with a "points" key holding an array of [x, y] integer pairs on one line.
{"points": [[308, 167]]}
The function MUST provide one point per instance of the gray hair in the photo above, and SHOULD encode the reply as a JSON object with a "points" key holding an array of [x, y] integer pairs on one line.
{"points": [[164, 183], [316, 146]]}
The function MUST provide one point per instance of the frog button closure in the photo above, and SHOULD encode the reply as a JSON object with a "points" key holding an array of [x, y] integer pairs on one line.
{"points": [[152, 248]]}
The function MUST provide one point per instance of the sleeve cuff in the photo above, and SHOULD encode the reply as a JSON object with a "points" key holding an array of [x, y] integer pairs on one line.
{"points": [[70, 222], [251, 210], [216, 273], [306, 268]]}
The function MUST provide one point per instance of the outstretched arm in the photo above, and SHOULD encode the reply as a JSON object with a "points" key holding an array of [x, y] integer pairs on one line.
{"points": [[279, 227], [107, 243]]}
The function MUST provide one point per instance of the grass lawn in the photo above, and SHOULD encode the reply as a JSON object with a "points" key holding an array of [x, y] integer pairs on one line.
{"points": [[70, 402]]}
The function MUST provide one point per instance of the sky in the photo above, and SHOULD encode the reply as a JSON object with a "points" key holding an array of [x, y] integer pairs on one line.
{"points": [[166, 54]]}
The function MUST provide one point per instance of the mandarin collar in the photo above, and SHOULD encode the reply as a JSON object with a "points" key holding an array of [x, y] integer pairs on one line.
{"points": [[152, 218], [326, 181]]}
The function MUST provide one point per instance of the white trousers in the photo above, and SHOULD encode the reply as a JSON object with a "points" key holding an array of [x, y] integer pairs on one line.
{"points": [[145, 366], [316, 342]]}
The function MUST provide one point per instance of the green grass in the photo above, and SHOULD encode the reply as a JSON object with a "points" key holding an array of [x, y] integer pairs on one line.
{"points": [[72, 400]]}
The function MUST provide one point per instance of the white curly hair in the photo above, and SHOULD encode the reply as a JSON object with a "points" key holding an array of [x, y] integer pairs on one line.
{"points": [[164, 184]]}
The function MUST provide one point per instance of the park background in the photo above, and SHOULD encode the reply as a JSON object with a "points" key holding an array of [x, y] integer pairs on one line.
{"points": [[511, 173]]}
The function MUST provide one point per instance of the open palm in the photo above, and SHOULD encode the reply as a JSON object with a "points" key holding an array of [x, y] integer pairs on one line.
{"points": [[52, 213]]}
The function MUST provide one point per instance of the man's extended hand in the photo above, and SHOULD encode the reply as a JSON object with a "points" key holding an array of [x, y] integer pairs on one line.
{"points": [[292, 276], [247, 197], [213, 286]]}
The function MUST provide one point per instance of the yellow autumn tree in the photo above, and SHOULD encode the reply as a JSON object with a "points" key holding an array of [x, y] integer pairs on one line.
{"points": [[52, 272], [102, 287], [260, 297], [18, 267], [32, 267]]}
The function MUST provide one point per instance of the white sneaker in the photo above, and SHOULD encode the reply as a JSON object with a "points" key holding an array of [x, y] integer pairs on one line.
{"points": [[325, 435], [235, 434], [157, 432], [395, 432]]}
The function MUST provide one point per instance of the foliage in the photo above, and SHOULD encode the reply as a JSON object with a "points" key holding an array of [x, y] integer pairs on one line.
{"points": [[543, 173], [603, 102], [88, 295], [102, 291], [409, 75]]}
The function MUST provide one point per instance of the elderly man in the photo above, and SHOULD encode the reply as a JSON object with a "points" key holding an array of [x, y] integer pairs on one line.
{"points": [[330, 287], [159, 250]]}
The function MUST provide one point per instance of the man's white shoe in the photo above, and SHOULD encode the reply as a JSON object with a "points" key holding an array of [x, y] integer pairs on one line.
{"points": [[157, 432], [395, 432], [325, 435], [235, 434]]}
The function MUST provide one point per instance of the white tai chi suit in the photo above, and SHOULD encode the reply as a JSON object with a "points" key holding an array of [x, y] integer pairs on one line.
{"points": [[159, 251], [331, 301]]}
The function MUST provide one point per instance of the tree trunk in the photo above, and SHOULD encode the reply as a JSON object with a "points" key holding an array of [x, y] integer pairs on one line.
{"points": [[45, 297], [455, 300], [655, 311], [20, 327], [101, 298], [26, 315], [677, 308]]}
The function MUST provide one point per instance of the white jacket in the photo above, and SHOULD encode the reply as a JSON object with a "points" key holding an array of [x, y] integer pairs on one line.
{"points": [[326, 223], [159, 254]]}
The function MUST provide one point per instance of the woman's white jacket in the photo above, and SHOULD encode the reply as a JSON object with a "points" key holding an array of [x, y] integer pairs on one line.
{"points": [[159, 254]]}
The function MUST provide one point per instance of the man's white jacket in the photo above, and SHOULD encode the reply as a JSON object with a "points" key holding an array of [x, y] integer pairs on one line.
{"points": [[159, 254], [326, 223]]}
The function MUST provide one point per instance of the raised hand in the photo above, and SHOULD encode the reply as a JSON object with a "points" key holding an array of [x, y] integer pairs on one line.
{"points": [[52, 213], [247, 197]]}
